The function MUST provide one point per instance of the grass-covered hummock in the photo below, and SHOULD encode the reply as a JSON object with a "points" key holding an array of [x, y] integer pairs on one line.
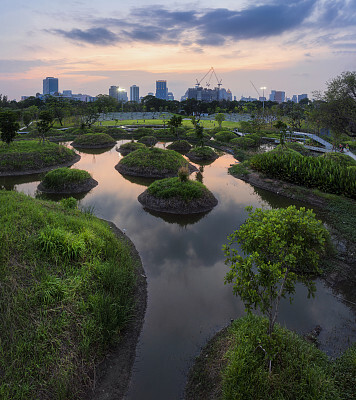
{"points": [[30, 156], [94, 140], [340, 158], [202, 154], [181, 146], [152, 163], [172, 195], [129, 147], [66, 294], [67, 180], [148, 141], [234, 367]]}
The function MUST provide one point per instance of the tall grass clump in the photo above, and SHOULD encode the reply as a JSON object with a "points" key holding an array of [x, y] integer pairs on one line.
{"points": [[66, 294], [317, 172]]}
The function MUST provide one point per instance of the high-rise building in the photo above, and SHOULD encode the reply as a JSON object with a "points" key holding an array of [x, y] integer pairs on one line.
{"points": [[122, 95], [295, 98], [277, 95], [161, 89], [134, 93], [113, 91], [302, 96], [50, 85], [170, 96]]}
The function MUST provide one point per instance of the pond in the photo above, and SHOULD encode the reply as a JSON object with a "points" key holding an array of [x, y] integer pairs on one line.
{"points": [[187, 299]]}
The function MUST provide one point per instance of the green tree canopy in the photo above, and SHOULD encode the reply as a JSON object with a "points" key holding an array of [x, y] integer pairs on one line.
{"points": [[8, 126], [280, 248]]}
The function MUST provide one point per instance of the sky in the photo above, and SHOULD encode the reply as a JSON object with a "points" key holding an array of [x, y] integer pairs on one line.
{"points": [[290, 45]]}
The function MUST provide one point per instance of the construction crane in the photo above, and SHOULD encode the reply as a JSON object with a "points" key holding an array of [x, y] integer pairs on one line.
{"points": [[255, 89], [211, 72]]}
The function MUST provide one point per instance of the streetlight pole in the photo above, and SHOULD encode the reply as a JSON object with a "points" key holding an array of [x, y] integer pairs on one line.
{"points": [[263, 99]]}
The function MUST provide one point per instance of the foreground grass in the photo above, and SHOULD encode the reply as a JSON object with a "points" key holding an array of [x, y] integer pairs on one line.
{"points": [[174, 187], [65, 295], [61, 177], [30, 155]]}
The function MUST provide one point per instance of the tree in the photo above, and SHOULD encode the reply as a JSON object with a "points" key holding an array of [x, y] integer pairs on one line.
{"points": [[281, 247], [219, 118], [89, 114], [44, 124], [282, 127], [174, 123], [26, 118], [8, 126]]}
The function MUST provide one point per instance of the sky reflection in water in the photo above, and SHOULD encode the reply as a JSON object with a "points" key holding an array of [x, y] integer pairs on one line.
{"points": [[187, 299]]}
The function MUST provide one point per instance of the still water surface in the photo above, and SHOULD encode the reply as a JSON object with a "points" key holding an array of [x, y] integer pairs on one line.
{"points": [[187, 299]]}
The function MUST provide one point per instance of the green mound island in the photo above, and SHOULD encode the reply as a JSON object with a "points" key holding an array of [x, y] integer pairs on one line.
{"points": [[203, 154], [71, 289], [232, 366], [29, 156], [153, 163], [67, 180], [94, 141], [148, 141], [172, 195], [129, 147], [181, 146]]}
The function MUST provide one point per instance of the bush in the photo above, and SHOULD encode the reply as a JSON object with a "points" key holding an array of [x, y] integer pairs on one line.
{"points": [[204, 153], [143, 132], [244, 142], [299, 370]]}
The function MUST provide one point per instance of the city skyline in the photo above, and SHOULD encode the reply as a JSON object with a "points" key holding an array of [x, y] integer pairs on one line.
{"points": [[293, 47]]}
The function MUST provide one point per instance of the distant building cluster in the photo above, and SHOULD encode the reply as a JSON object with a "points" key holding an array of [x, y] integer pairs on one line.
{"points": [[199, 93], [51, 88]]}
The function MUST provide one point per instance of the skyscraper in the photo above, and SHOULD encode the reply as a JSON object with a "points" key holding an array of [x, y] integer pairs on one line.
{"points": [[161, 89], [134, 93], [113, 91], [50, 85]]}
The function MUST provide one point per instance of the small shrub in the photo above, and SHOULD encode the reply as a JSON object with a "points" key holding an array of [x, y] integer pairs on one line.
{"points": [[148, 141], [183, 173], [225, 136]]}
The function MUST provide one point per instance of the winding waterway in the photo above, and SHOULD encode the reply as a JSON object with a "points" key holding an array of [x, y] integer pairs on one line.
{"points": [[187, 299]]}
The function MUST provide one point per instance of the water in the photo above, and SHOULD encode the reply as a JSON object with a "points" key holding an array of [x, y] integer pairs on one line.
{"points": [[187, 299]]}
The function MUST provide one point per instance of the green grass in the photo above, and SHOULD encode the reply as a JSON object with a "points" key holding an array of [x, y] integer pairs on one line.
{"points": [[30, 154], [173, 187], [344, 371], [132, 146], [299, 370], [94, 139], [61, 177], [182, 146], [204, 152], [66, 294], [154, 158], [148, 140]]}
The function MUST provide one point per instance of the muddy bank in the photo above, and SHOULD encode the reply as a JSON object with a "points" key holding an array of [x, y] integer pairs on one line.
{"points": [[112, 376]]}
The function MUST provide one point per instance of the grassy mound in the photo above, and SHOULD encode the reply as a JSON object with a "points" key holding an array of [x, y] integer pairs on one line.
{"points": [[28, 156], [66, 180], [299, 371], [174, 187], [151, 162], [148, 140], [204, 153], [129, 147], [66, 294], [224, 136], [94, 140], [233, 366], [178, 197], [181, 146], [247, 141], [340, 158]]}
